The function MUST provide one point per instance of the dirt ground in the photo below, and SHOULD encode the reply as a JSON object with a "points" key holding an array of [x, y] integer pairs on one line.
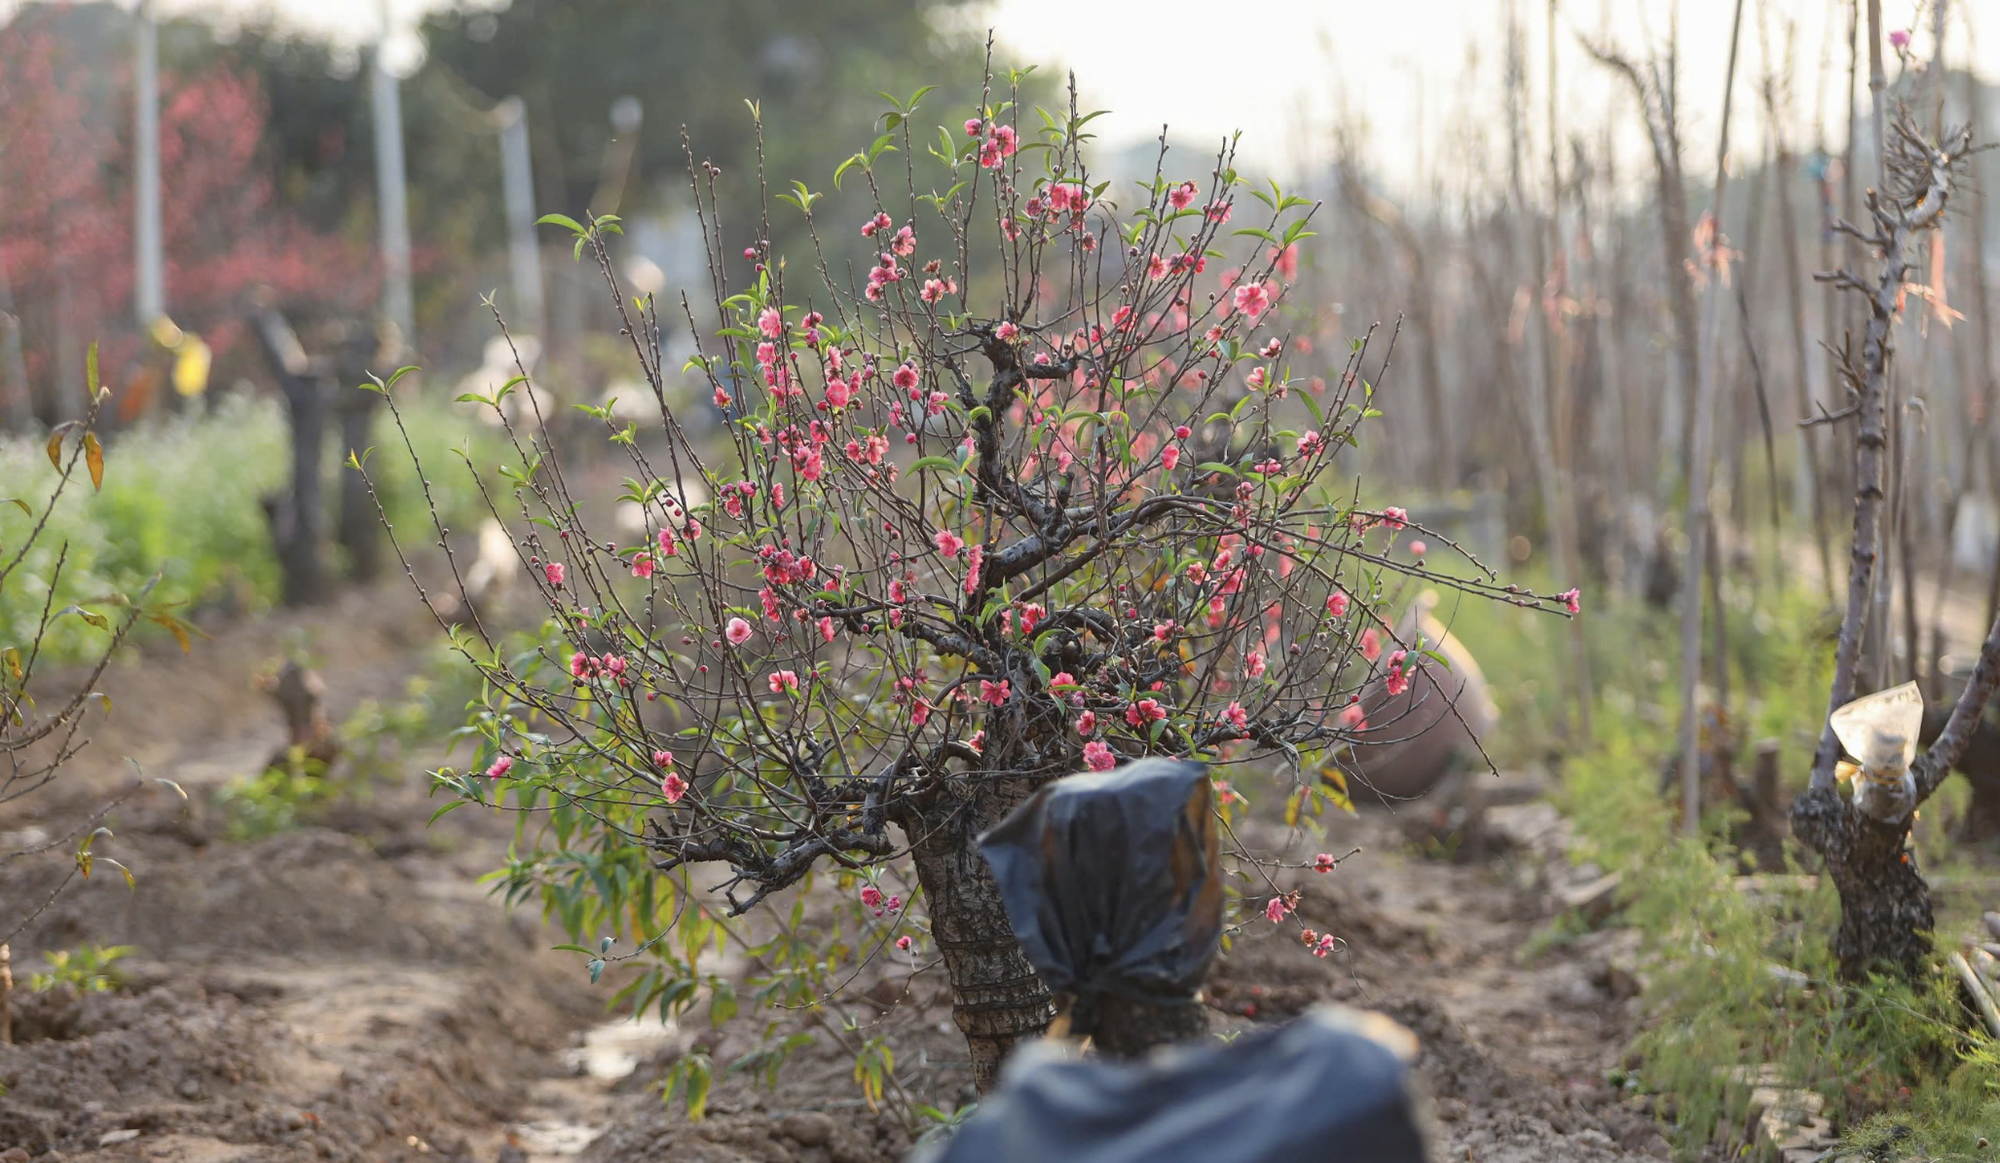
{"points": [[350, 991]]}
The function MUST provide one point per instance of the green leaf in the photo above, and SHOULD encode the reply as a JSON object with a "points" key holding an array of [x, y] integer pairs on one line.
{"points": [[697, 1089], [596, 969], [17, 503], [56, 441], [131, 883], [174, 626], [1312, 405], [90, 369], [945, 463], [91, 616], [562, 220], [722, 1003], [450, 807], [93, 456]]}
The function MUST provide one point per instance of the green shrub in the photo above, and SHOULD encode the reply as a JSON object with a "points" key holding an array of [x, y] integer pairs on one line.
{"points": [[87, 967]]}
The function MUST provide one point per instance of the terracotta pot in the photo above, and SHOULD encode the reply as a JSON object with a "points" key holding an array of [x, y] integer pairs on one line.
{"points": [[1417, 737]]}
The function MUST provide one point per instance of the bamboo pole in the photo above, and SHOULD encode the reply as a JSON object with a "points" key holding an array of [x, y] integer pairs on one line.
{"points": [[1558, 492], [1600, 273], [1809, 493], [1699, 457]]}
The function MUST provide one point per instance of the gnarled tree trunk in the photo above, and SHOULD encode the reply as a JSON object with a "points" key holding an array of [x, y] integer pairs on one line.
{"points": [[1885, 905], [997, 998]]}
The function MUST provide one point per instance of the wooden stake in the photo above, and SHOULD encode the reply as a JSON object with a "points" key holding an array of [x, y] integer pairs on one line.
{"points": [[1698, 467], [6, 996], [1982, 997]]}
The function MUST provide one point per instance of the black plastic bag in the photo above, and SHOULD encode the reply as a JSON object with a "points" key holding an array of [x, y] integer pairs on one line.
{"points": [[1111, 882], [1331, 1085]]}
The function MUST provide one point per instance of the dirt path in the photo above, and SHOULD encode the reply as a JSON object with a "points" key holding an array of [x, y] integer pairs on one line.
{"points": [[349, 992]]}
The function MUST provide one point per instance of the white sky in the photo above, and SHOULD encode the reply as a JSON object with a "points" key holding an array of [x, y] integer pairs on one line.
{"points": [[1419, 76]]}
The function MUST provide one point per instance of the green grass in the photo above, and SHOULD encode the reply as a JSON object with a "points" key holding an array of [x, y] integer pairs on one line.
{"points": [[181, 498], [1884, 1053]]}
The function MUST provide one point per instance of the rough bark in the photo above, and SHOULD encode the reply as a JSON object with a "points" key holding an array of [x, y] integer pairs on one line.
{"points": [[1885, 905], [997, 999]]}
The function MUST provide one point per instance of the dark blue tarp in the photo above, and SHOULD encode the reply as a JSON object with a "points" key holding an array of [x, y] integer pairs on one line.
{"points": [[1323, 1087], [1110, 880]]}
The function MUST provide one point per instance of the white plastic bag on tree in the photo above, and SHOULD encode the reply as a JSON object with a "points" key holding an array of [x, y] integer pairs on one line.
{"points": [[1879, 732]]}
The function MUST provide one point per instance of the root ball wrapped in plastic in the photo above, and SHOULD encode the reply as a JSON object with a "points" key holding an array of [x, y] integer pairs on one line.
{"points": [[1112, 886]]}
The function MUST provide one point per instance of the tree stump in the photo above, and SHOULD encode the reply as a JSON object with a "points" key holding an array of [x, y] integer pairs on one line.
{"points": [[310, 741], [1980, 765], [295, 516], [359, 351]]}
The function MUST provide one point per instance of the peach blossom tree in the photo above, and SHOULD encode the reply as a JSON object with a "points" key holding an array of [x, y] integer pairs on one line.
{"points": [[1041, 485]]}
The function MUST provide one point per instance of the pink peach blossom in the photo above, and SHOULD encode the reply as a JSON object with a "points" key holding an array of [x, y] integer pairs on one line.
{"points": [[1252, 299]]}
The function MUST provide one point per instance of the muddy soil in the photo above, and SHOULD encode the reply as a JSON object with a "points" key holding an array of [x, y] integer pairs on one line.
{"points": [[349, 991]]}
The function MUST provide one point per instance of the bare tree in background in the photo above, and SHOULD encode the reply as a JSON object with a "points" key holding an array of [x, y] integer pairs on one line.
{"points": [[1885, 903]]}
